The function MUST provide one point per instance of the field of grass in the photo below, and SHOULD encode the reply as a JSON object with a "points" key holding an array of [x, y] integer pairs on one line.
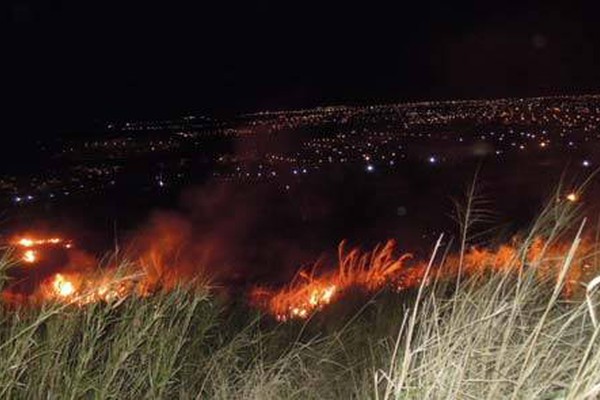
{"points": [[496, 335]]}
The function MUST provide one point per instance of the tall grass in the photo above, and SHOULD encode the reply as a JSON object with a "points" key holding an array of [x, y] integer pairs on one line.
{"points": [[500, 335]]}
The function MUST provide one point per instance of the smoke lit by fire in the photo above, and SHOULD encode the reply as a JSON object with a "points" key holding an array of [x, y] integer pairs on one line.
{"points": [[380, 268], [53, 269]]}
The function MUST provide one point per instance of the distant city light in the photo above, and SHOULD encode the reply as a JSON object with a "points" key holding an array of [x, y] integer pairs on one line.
{"points": [[586, 163], [370, 168], [572, 197], [432, 160]]}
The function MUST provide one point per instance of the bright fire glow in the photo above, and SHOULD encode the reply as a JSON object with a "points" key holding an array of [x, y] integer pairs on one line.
{"points": [[161, 267], [372, 271], [62, 287], [25, 242], [308, 293], [29, 256], [30, 242], [32, 247]]}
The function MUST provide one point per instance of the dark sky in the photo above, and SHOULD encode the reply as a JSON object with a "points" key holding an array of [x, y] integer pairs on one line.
{"points": [[72, 62]]}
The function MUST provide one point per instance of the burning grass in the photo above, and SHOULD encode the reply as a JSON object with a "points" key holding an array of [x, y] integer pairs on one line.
{"points": [[498, 335], [381, 268], [514, 320]]}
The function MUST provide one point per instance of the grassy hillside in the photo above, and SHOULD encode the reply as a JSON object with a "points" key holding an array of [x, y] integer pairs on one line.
{"points": [[510, 334]]}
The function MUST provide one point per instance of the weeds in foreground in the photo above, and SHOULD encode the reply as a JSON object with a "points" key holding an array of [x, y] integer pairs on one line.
{"points": [[500, 335]]}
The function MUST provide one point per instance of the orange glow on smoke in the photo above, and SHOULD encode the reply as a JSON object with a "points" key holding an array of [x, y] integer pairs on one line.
{"points": [[371, 271], [308, 292], [78, 279], [162, 261]]}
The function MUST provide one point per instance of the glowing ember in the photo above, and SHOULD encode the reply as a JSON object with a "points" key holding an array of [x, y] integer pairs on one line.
{"points": [[30, 256], [25, 242], [62, 287], [29, 242], [32, 247]]}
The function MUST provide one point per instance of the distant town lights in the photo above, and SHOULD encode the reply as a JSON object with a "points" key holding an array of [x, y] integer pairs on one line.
{"points": [[586, 163], [370, 168], [432, 160]]}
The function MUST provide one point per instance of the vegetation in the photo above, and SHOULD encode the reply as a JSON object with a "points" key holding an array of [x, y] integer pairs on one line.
{"points": [[505, 334]]}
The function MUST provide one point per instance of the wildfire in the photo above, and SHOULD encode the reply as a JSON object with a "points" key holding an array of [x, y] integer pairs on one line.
{"points": [[29, 242], [82, 289], [572, 197], [79, 280], [68, 275], [29, 256], [31, 247], [371, 271], [308, 292], [62, 287]]}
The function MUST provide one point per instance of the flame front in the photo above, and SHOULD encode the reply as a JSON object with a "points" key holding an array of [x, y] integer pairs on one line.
{"points": [[29, 242], [81, 281], [307, 292], [372, 271], [31, 247]]}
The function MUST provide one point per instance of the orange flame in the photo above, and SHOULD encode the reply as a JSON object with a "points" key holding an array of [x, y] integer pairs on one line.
{"points": [[29, 256], [80, 281], [62, 286], [308, 293], [162, 265], [374, 270], [31, 247]]}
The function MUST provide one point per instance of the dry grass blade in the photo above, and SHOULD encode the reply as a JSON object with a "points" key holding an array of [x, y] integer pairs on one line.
{"points": [[590, 288]]}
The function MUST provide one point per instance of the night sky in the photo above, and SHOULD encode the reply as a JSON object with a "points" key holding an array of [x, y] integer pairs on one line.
{"points": [[74, 62]]}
